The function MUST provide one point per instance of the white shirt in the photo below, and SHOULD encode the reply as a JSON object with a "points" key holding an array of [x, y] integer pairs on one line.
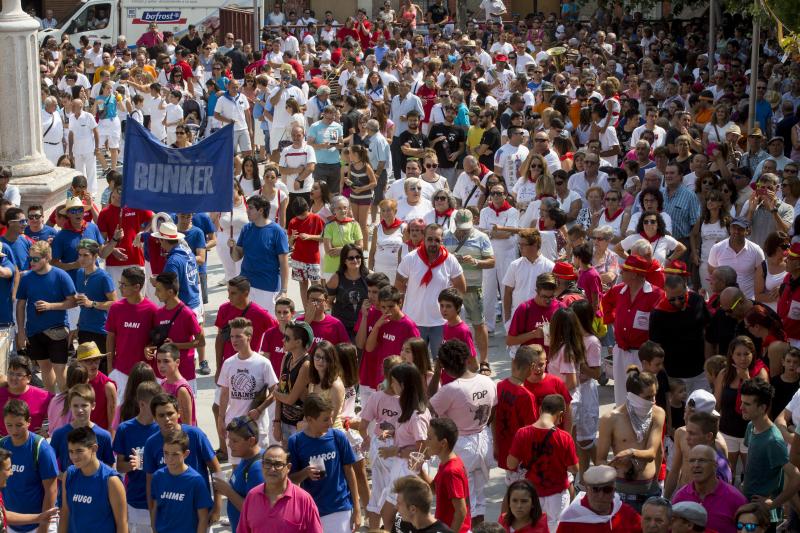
{"points": [[658, 131], [608, 139], [661, 248], [280, 115], [52, 124], [421, 302], [552, 160], [577, 182], [82, 80], [290, 44], [296, 157], [234, 109], [521, 276], [510, 218], [12, 194], [244, 378], [82, 129], [634, 222], [744, 263], [463, 188], [407, 213], [510, 159]]}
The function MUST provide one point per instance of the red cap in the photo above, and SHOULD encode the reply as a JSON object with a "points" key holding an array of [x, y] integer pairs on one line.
{"points": [[501, 57], [563, 270], [794, 250], [676, 268], [637, 264]]}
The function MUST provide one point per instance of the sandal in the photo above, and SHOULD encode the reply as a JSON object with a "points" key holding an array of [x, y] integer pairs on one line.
{"points": [[485, 368]]}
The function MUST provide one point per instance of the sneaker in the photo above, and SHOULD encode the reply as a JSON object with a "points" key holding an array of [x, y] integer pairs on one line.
{"points": [[204, 370]]}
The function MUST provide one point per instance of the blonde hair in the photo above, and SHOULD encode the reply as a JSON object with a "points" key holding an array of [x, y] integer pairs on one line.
{"points": [[42, 248]]}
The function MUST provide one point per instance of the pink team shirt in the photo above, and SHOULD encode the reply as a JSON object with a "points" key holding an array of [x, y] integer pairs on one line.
{"points": [[384, 409], [412, 430], [366, 372], [330, 329], [131, 325], [37, 399], [468, 402], [260, 317], [589, 280], [272, 346], [183, 329], [173, 388], [391, 337], [462, 333]]}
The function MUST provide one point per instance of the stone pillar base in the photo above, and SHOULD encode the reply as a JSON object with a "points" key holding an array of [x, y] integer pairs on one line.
{"points": [[48, 189]]}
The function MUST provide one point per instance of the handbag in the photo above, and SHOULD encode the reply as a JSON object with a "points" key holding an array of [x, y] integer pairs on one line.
{"points": [[160, 333], [57, 333]]}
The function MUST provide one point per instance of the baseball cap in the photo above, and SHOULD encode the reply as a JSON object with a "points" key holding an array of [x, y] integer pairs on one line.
{"points": [[691, 512], [702, 401], [463, 219], [741, 222]]}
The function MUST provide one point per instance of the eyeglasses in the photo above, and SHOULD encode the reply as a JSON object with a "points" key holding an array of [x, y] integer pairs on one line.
{"points": [[605, 489], [442, 198], [650, 222], [497, 193], [746, 527], [273, 465], [600, 238], [431, 165], [354, 258], [180, 133], [18, 375], [730, 311]]}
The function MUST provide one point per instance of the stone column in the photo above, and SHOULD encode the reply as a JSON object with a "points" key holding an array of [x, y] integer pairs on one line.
{"points": [[20, 106]]}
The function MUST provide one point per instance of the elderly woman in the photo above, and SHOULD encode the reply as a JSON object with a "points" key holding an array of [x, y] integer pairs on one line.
{"points": [[342, 230], [604, 260], [414, 205], [444, 206], [589, 215], [651, 228], [387, 240]]}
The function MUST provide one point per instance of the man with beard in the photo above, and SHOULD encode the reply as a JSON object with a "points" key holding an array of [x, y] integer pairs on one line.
{"points": [[490, 140]]}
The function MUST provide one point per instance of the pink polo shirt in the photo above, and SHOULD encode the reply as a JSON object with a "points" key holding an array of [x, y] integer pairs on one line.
{"points": [[295, 510], [720, 505]]}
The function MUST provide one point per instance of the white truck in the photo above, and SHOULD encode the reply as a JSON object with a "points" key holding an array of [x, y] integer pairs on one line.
{"points": [[107, 19]]}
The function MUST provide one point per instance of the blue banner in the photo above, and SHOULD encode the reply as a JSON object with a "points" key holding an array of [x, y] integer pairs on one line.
{"points": [[186, 180]]}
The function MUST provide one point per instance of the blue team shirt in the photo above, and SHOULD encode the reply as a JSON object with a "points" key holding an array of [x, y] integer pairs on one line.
{"points": [[6, 285], [24, 492], [65, 244], [331, 492], [262, 246], [133, 434], [200, 452], [95, 287], [55, 286], [20, 249], [105, 450], [177, 499], [87, 497], [42, 235], [242, 483], [196, 239], [206, 226], [184, 265]]}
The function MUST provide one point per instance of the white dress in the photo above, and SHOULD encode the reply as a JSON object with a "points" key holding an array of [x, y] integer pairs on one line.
{"points": [[387, 250], [710, 234]]}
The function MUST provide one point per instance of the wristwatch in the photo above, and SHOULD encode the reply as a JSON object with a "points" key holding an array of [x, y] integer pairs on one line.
{"points": [[774, 210]]}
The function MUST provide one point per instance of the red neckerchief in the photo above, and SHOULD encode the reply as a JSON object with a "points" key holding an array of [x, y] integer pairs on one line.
{"points": [[396, 224], [423, 256], [345, 221], [664, 305], [541, 225], [652, 239], [497, 210], [612, 218], [448, 213], [70, 227]]}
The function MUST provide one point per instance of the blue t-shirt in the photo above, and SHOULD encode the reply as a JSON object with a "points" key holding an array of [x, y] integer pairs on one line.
{"points": [[262, 245], [105, 450], [95, 287], [133, 434], [184, 265], [87, 497], [204, 223], [196, 239], [242, 483], [42, 235], [24, 492], [178, 498], [331, 492], [65, 244], [200, 452], [321, 133], [54, 287], [109, 105], [20, 250], [6, 285]]}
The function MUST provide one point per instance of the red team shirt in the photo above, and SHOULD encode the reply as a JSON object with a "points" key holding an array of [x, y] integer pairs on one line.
{"points": [[131, 325], [516, 408], [132, 222], [451, 482], [272, 346], [546, 454], [631, 318], [182, 330], [261, 318]]}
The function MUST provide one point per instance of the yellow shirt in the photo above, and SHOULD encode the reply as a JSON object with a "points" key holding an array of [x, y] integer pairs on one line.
{"points": [[474, 135], [100, 70]]}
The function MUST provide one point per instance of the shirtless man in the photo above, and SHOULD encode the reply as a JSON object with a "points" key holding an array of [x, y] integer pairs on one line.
{"points": [[702, 426], [633, 432]]}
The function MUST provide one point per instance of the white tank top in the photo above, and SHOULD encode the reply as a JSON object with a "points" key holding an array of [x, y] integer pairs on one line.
{"points": [[388, 248]]}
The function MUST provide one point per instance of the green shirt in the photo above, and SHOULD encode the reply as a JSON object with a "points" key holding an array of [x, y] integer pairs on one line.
{"points": [[766, 454], [339, 234]]}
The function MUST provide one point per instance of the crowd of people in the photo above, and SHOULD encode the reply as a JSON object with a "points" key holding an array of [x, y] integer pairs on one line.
{"points": [[589, 190]]}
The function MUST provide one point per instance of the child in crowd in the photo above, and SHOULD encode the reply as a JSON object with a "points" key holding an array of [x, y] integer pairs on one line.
{"points": [[450, 303], [168, 358], [713, 366], [105, 390], [415, 351], [81, 402], [58, 412], [541, 384], [652, 355], [787, 383]]}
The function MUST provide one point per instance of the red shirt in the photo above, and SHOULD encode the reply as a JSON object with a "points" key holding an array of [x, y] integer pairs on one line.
{"points": [[626, 520], [330, 329], [538, 527], [546, 454], [631, 318], [272, 346], [428, 97], [132, 222], [528, 314], [131, 325], [391, 337], [462, 333], [183, 329], [306, 251], [157, 261], [100, 412], [51, 220], [789, 308], [516, 408], [186, 69], [451, 482], [260, 317]]}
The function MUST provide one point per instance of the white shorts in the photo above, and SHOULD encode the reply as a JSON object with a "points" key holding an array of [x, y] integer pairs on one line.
{"points": [[734, 444], [398, 468], [381, 470], [476, 453], [112, 140], [72, 317], [586, 411], [138, 520], [553, 506], [241, 141], [336, 522], [265, 299]]}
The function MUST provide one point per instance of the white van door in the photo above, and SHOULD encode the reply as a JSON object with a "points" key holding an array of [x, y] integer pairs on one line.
{"points": [[96, 21]]}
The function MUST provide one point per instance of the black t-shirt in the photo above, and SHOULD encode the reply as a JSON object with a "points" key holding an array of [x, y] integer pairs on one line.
{"points": [[680, 333], [350, 122], [673, 134], [238, 63], [191, 44], [783, 393], [438, 13], [414, 140], [490, 138], [455, 137]]}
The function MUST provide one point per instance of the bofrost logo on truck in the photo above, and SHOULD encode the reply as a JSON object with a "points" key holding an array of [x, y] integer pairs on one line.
{"points": [[161, 17]]}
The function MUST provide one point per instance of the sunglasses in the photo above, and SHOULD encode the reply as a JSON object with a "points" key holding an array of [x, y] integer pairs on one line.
{"points": [[180, 133], [497, 193], [605, 489], [741, 526], [650, 222], [34, 259], [21, 222], [75, 211], [431, 165], [354, 258], [35, 217], [440, 198]]}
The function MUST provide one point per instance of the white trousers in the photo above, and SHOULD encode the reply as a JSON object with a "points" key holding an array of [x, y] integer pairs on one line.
{"points": [[138, 520], [553, 506], [53, 151], [265, 299], [476, 453], [493, 282], [121, 381], [622, 360], [232, 268], [86, 164], [336, 522]]}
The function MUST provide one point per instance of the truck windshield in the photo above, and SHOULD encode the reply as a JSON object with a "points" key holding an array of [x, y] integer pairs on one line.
{"points": [[66, 18]]}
